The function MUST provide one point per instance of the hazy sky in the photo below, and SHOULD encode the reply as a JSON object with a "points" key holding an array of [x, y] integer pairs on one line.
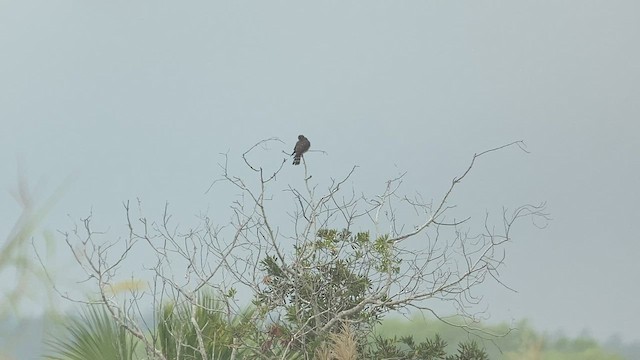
{"points": [[137, 99]]}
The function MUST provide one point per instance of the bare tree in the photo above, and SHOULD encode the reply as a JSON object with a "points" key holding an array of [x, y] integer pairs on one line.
{"points": [[334, 258]]}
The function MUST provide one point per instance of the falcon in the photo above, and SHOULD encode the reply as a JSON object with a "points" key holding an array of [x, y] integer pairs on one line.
{"points": [[301, 147]]}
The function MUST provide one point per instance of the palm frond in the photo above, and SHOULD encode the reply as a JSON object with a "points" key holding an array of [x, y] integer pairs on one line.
{"points": [[93, 335]]}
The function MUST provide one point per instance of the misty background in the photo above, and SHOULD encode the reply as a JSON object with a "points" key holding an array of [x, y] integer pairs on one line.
{"points": [[122, 100]]}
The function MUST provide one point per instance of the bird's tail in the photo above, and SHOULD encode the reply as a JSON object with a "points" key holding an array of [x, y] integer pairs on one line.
{"points": [[296, 159]]}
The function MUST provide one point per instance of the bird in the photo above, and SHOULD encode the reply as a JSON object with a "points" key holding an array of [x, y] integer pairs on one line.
{"points": [[301, 147]]}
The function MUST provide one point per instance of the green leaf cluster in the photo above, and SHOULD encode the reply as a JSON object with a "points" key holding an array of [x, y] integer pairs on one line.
{"points": [[92, 335], [328, 276], [405, 348], [177, 334]]}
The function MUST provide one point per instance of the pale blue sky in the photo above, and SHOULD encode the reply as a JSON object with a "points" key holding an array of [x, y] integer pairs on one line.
{"points": [[137, 99]]}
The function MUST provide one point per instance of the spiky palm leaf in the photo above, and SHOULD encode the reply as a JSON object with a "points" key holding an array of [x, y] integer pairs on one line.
{"points": [[93, 335]]}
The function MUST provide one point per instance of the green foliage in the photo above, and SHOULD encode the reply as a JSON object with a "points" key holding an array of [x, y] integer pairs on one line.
{"points": [[588, 354], [94, 335], [574, 345], [329, 275], [178, 337], [405, 348], [521, 343], [469, 351], [332, 275], [327, 279]]}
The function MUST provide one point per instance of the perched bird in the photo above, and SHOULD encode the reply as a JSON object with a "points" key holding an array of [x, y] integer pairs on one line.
{"points": [[301, 147]]}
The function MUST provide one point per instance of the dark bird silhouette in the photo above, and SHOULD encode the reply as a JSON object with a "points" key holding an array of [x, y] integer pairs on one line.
{"points": [[301, 147]]}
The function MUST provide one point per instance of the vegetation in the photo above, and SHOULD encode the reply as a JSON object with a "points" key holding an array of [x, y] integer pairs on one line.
{"points": [[92, 335], [95, 335], [326, 297], [322, 272], [178, 338], [20, 271], [521, 343]]}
